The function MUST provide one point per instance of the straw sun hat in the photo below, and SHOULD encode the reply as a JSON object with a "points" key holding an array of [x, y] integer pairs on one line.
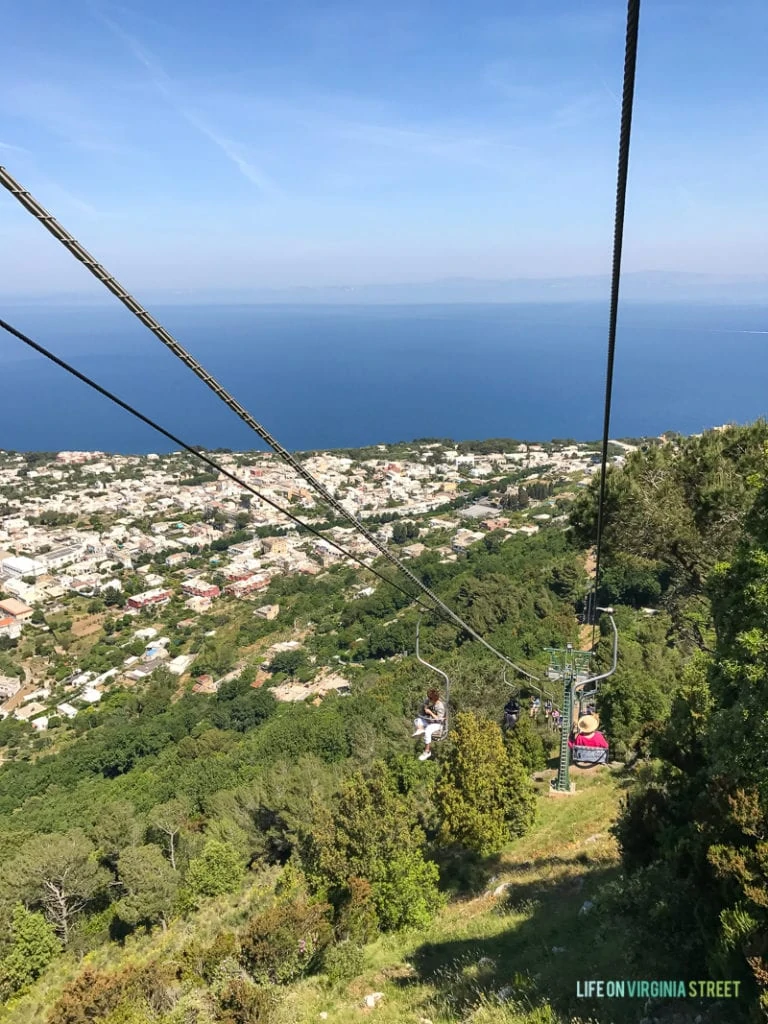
{"points": [[588, 724]]}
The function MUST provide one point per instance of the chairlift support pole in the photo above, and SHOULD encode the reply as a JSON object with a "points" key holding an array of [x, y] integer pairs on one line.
{"points": [[569, 665]]}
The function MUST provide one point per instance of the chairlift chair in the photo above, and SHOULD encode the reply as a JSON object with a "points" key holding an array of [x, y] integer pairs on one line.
{"points": [[444, 731], [510, 718], [588, 757]]}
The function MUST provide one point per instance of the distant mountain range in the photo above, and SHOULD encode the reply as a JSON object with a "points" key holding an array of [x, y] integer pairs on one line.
{"points": [[642, 286]]}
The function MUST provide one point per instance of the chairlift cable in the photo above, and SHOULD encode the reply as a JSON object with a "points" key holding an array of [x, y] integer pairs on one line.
{"points": [[27, 200], [627, 103], [517, 687]]}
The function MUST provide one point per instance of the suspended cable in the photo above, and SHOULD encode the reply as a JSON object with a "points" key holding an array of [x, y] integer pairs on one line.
{"points": [[30, 204], [203, 458], [627, 103]]}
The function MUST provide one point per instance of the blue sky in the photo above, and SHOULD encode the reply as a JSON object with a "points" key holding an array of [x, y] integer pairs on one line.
{"points": [[296, 143]]}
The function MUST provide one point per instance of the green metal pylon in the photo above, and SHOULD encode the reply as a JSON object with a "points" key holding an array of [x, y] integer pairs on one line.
{"points": [[563, 780], [569, 666]]}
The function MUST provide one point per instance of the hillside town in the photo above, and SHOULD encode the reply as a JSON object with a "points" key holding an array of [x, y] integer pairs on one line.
{"points": [[86, 537]]}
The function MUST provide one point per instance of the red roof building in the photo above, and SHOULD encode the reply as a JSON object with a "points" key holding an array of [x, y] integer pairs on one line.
{"points": [[247, 586], [200, 588], [149, 597]]}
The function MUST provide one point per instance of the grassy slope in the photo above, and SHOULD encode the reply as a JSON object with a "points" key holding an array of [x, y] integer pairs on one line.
{"points": [[476, 947], [529, 943], [473, 947]]}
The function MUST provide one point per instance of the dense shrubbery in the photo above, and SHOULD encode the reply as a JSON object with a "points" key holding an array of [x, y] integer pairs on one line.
{"points": [[525, 745], [692, 830], [372, 834], [27, 946], [287, 941], [484, 796], [672, 513]]}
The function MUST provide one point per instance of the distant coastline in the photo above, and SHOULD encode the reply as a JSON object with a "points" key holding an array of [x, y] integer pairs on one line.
{"points": [[466, 445], [656, 286]]}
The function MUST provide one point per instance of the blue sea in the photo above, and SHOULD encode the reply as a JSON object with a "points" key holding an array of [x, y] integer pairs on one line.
{"points": [[347, 376]]}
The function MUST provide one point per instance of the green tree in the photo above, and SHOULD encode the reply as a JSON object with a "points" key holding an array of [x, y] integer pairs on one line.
{"points": [[569, 581], [169, 819], [694, 827], [524, 744], [680, 508], [488, 602], [372, 834], [116, 828], [113, 598], [218, 870], [483, 795], [59, 874], [289, 662], [30, 946], [215, 659], [150, 883], [640, 694]]}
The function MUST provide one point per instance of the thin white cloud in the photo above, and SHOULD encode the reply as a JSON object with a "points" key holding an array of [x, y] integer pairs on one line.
{"points": [[477, 150], [232, 150], [578, 111], [550, 106], [75, 201], [168, 89], [14, 149], [610, 92], [374, 131], [53, 190], [61, 113]]}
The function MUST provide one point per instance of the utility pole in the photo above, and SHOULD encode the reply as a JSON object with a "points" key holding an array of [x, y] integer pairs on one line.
{"points": [[571, 668]]}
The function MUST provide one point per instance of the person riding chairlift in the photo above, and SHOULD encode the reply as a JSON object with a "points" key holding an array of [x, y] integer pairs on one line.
{"points": [[430, 721], [587, 734], [511, 712]]}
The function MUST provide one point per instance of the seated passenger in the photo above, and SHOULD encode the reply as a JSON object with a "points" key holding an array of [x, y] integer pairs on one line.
{"points": [[511, 712], [430, 721], [587, 734]]}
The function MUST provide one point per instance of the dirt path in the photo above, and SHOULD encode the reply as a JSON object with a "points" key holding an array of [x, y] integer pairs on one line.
{"points": [[590, 563], [585, 637], [585, 631]]}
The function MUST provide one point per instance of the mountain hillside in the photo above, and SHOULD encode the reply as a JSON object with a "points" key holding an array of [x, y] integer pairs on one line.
{"points": [[239, 830]]}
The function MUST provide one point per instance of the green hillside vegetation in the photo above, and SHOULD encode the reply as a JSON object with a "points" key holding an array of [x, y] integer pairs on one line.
{"points": [[179, 858]]}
